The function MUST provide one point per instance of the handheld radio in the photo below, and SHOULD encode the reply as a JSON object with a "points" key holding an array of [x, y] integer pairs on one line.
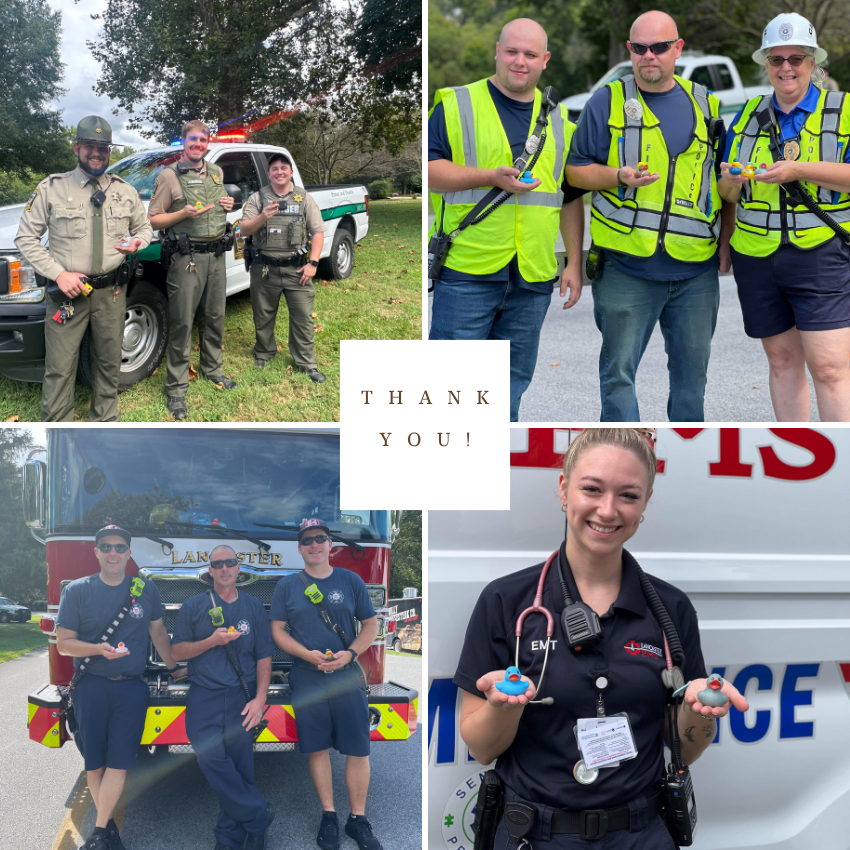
{"points": [[580, 623], [680, 805]]}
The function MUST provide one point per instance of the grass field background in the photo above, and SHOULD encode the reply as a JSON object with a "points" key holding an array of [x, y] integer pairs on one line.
{"points": [[381, 300], [19, 638]]}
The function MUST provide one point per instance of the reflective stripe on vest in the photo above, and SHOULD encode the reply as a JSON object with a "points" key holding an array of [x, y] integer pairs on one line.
{"points": [[526, 224], [759, 211], [684, 216]]}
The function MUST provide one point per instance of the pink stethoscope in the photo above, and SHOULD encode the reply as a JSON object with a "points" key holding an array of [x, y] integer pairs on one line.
{"points": [[537, 607]]}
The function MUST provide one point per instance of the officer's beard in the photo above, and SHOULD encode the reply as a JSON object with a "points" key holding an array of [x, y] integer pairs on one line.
{"points": [[90, 170]]}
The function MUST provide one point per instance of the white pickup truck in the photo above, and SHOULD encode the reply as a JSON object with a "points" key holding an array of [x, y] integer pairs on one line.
{"points": [[717, 73], [344, 208], [747, 522]]}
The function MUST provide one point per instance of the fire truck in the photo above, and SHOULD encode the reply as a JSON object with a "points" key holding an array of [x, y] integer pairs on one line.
{"points": [[180, 493], [749, 522]]}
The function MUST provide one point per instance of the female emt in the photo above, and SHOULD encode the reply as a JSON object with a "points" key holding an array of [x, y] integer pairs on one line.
{"points": [[792, 271], [604, 490]]}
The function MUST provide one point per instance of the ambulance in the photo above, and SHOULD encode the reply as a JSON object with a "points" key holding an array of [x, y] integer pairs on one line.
{"points": [[751, 524]]}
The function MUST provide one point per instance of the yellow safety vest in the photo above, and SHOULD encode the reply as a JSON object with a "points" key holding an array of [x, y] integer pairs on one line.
{"points": [[526, 225], [766, 218], [680, 210]]}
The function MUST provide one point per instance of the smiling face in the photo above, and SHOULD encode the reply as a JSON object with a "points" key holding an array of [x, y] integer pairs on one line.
{"points": [[280, 175], [92, 157], [225, 577], [314, 554], [521, 57], [605, 498], [791, 84], [112, 563], [195, 146]]}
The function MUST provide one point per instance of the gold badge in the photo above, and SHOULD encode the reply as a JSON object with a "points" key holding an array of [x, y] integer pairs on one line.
{"points": [[299, 197], [33, 196], [791, 150], [98, 130], [216, 179]]}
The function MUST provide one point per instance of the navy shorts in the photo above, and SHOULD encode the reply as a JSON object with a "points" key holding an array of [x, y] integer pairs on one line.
{"points": [[791, 287], [110, 720], [330, 711]]}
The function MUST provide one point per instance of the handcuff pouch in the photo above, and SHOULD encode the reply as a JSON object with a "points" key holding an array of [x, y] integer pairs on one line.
{"points": [[488, 810]]}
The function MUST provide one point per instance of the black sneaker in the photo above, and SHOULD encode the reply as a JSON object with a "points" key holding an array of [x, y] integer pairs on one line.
{"points": [[177, 407], [360, 830], [98, 841], [328, 837], [258, 842], [260, 363], [113, 836], [315, 376], [226, 383]]}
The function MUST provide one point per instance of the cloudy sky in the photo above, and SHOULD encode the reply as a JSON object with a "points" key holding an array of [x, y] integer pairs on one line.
{"points": [[82, 71]]}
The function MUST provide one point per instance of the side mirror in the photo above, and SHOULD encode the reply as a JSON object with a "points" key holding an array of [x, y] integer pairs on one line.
{"points": [[236, 193], [35, 493]]}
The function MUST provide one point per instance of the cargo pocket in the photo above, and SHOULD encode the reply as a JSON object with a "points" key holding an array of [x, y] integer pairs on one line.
{"points": [[70, 224], [297, 234]]}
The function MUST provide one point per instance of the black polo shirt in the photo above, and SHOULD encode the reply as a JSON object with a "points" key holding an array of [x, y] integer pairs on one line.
{"points": [[538, 766]]}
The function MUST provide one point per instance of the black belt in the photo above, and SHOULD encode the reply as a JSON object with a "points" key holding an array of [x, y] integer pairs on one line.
{"points": [[123, 677], [279, 261], [101, 281], [594, 823], [205, 247]]}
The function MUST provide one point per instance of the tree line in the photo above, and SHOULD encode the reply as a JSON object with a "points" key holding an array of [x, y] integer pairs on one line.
{"points": [[587, 37]]}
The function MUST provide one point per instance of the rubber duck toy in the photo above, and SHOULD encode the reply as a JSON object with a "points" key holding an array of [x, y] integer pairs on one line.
{"points": [[750, 170], [329, 655], [642, 168], [735, 168], [762, 169], [526, 177], [199, 205], [231, 630], [121, 647], [512, 684], [711, 695]]}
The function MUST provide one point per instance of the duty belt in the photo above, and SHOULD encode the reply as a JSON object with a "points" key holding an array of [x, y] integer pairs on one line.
{"points": [[205, 247], [101, 281], [266, 260], [594, 823]]}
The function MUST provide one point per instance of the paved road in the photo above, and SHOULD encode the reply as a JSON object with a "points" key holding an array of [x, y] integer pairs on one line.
{"points": [[168, 804], [737, 389]]}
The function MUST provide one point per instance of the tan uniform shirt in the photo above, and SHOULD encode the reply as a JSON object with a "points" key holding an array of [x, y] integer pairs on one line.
{"points": [[61, 205], [312, 213]]}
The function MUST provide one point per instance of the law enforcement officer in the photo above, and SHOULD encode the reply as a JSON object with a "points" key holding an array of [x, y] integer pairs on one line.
{"points": [[328, 696], [498, 277], [85, 212], [284, 220], [218, 717], [110, 700], [792, 271], [604, 490], [658, 226], [190, 201]]}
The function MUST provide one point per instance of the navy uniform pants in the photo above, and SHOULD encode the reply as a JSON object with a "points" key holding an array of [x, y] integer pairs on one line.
{"points": [[225, 754]]}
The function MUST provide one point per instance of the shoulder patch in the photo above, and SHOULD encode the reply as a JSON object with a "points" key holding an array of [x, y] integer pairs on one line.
{"points": [[155, 187], [32, 198]]}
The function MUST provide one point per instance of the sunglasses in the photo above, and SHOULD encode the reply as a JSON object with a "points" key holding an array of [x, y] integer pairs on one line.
{"points": [[319, 538], [657, 49], [227, 562], [120, 548], [794, 61]]}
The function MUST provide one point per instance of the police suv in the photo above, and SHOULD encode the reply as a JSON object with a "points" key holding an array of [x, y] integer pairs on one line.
{"points": [[344, 208], [749, 522]]}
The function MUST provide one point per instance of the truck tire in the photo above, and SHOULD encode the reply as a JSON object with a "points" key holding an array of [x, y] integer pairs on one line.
{"points": [[339, 264], [4, 618], [145, 336], [396, 645]]}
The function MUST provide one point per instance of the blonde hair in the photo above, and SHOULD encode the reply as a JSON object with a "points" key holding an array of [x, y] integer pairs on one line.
{"points": [[193, 125], [631, 439]]}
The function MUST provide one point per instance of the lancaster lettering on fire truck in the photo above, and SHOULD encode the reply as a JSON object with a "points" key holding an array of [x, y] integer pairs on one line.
{"points": [[180, 494]]}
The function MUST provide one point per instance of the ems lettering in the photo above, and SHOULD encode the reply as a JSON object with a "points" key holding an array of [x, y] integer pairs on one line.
{"points": [[541, 644]]}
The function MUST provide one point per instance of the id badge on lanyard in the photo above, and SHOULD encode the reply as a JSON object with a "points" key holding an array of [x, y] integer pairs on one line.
{"points": [[603, 741]]}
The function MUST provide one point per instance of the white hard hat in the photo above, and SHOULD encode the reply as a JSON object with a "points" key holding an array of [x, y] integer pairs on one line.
{"points": [[788, 28]]}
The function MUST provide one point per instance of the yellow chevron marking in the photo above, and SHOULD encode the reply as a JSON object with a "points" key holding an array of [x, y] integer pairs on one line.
{"points": [[167, 715], [32, 710], [51, 740], [399, 730]]}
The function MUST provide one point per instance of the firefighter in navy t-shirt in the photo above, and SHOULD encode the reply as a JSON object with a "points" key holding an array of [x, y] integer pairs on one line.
{"points": [[328, 695], [111, 699]]}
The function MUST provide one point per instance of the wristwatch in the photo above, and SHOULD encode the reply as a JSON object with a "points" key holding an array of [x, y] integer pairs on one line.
{"points": [[353, 655], [314, 263]]}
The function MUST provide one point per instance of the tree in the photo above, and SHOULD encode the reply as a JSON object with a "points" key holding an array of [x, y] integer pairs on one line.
{"points": [[23, 568], [30, 73], [388, 38], [406, 556]]}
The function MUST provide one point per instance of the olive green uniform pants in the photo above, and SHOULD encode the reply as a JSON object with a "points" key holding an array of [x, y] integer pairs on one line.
{"points": [[265, 300], [105, 315], [201, 292]]}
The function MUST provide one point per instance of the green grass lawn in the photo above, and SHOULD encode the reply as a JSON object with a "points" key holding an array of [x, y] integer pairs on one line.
{"points": [[381, 300], [19, 638]]}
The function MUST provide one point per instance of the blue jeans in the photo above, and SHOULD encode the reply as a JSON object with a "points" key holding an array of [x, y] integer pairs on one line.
{"points": [[474, 310], [626, 309]]}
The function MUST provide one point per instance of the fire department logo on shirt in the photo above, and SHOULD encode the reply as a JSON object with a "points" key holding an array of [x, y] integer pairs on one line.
{"points": [[137, 611], [243, 626], [647, 650], [336, 596]]}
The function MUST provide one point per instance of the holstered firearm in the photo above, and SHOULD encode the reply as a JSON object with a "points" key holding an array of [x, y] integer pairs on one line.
{"points": [[167, 247], [249, 252], [488, 810], [226, 241]]}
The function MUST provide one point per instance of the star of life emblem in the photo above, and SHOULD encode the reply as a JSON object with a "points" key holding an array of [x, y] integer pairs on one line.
{"points": [[633, 108]]}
